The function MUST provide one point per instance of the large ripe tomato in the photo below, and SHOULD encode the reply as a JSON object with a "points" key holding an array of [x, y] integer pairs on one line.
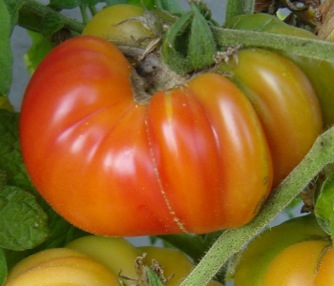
{"points": [[192, 159]]}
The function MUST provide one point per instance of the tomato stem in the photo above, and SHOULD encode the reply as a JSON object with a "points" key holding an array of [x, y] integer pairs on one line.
{"points": [[231, 241], [32, 14], [307, 47]]}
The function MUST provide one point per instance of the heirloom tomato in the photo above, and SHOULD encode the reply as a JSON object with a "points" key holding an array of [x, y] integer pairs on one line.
{"points": [[193, 158]]}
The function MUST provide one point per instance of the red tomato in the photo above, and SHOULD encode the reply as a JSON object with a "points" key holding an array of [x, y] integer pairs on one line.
{"points": [[192, 159]]}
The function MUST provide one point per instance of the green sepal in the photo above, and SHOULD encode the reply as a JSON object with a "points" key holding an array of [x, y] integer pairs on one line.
{"points": [[324, 206], [201, 46], [189, 44], [174, 46]]}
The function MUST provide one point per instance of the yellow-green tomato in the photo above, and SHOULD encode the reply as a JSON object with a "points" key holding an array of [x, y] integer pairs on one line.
{"points": [[283, 253], [120, 24], [175, 264], [308, 263], [60, 267], [116, 253]]}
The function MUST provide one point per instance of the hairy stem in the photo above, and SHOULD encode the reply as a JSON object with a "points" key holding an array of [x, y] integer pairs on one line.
{"points": [[311, 48], [231, 241], [32, 15]]}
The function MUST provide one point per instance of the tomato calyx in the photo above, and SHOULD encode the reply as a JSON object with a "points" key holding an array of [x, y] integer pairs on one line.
{"points": [[151, 75]]}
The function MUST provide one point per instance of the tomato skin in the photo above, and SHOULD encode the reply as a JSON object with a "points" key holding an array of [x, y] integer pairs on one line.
{"points": [[320, 73], [120, 24], [256, 264], [297, 265], [100, 157], [285, 102]]}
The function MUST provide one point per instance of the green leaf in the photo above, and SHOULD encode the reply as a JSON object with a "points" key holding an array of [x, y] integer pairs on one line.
{"points": [[3, 267], [65, 4], [23, 223], [201, 46], [172, 6], [148, 4], [6, 58], [10, 155], [324, 206], [13, 7], [38, 50]]}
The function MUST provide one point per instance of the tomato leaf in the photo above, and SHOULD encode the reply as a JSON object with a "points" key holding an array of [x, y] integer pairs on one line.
{"points": [[148, 4], [37, 51], [22, 221], [3, 267], [324, 206], [65, 4], [6, 57], [10, 156]]}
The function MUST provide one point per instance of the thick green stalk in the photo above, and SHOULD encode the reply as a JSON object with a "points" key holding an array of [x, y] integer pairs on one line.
{"points": [[231, 241], [311, 48], [32, 15]]}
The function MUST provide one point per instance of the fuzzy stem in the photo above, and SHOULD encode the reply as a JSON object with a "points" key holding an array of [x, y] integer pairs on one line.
{"points": [[32, 13], [231, 241], [307, 47]]}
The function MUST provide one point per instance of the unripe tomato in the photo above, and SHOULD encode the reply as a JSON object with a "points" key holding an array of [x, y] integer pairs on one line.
{"points": [[60, 266], [285, 255], [320, 73], [285, 102], [120, 24]]}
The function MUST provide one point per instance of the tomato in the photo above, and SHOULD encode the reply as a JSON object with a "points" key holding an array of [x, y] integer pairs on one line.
{"points": [[320, 73], [120, 24], [114, 166], [287, 254], [285, 102], [304, 263], [60, 266]]}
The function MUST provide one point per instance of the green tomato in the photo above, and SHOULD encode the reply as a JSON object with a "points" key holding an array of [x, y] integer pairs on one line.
{"points": [[60, 266], [256, 259], [121, 24], [320, 73]]}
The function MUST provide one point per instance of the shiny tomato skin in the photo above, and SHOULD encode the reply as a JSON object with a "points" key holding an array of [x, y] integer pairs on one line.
{"points": [[285, 102], [308, 263], [112, 166]]}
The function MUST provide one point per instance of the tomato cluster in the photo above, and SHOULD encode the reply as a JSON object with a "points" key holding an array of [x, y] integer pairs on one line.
{"points": [[199, 157], [102, 261]]}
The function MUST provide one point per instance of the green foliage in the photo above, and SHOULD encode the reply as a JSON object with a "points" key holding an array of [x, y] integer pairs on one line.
{"points": [[38, 50], [3, 267], [23, 222], [324, 206], [6, 58]]}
